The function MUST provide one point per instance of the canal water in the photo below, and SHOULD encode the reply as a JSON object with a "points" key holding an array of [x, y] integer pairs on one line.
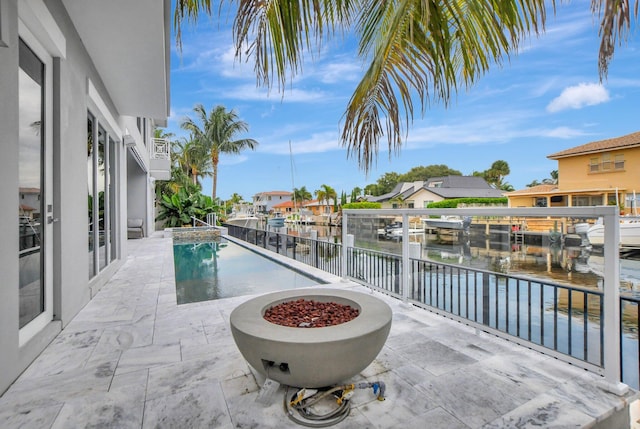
{"points": [[570, 265]]}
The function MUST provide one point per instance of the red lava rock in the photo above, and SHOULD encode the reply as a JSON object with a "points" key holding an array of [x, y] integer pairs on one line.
{"points": [[310, 314]]}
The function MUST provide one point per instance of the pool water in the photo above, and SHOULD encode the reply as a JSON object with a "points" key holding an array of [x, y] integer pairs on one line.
{"points": [[222, 269]]}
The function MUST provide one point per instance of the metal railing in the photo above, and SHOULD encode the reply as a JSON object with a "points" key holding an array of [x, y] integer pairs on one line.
{"points": [[559, 318], [586, 327], [160, 149], [522, 309], [319, 254], [210, 222]]}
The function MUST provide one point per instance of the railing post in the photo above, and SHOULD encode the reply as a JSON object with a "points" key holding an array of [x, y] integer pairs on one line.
{"points": [[415, 252], [406, 272], [612, 346], [485, 299], [345, 244], [314, 250]]}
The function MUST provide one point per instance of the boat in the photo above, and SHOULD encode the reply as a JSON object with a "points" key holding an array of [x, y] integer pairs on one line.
{"points": [[276, 220], [394, 231], [629, 232], [243, 215], [448, 222]]}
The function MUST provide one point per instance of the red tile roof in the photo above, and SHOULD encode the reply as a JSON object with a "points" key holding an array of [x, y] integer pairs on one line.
{"points": [[630, 140]]}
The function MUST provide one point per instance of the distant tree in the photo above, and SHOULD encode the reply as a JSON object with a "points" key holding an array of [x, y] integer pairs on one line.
{"points": [[386, 183], [427, 172], [218, 133], [552, 180], [343, 198], [372, 189], [506, 186], [325, 194], [495, 174], [301, 195], [355, 193], [234, 199], [159, 133]]}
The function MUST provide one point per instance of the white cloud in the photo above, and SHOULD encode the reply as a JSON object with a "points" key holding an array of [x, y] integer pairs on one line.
{"points": [[227, 159], [579, 96], [339, 72], [252, 92], [236, 68], [319, 142], [563, 133]]}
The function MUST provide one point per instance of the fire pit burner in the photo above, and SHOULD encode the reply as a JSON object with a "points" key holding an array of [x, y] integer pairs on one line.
{"points": [[318, 357]]}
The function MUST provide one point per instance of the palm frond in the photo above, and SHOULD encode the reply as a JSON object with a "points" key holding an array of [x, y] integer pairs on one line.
{"points": [[425, 51]]}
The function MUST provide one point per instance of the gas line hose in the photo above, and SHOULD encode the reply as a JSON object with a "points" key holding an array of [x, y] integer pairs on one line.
{"points": [[302, 402]]}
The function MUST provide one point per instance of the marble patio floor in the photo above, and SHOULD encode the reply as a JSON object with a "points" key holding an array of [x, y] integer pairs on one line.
{"points": [[133, 358]]}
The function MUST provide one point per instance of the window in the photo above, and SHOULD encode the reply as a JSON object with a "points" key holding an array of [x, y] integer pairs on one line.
{"points": [[594, 165], [541, 202], [586, 200], [101, 210], [606, 161], [31, 176], [435, 184], [618, 163]]}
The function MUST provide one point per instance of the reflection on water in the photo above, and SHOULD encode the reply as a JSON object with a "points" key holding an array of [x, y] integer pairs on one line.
{"points": [[221, 269], [566, 263], [575, 265]]}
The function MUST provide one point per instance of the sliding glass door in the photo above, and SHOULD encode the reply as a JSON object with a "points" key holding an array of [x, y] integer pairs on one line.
{"points": [[101, 207]]}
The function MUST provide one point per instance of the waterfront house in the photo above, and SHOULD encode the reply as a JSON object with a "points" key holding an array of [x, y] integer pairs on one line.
{"points": [[83, 85], [420, 194], [602, 172], [264, 202]]}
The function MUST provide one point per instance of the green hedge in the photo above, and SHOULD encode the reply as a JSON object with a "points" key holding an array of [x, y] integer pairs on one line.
{"points": [[455, 202], [362, 205]]}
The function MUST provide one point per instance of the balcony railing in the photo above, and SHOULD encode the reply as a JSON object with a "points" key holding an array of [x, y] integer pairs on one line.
{"points": [[590, 327], [160, 159], [160, 149]]}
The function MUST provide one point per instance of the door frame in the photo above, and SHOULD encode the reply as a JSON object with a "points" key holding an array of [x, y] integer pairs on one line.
{"points": [[32, 328]]}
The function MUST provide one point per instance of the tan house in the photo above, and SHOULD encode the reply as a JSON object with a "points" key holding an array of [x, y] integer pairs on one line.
{"points": [[603, 172]]}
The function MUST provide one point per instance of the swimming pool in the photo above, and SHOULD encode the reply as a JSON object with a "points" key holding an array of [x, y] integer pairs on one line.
{"points": [[222, 269]]}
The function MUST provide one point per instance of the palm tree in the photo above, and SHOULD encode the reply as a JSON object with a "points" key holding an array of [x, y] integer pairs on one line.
{"points": [[234, 199], [414, 48], [218, 135], [325, 194], [192, 158], [301, 195]]}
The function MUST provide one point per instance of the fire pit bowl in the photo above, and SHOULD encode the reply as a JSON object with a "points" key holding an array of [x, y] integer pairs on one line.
{"points": [[311, 357]]}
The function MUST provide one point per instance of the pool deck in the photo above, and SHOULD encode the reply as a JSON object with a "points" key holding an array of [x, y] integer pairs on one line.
{"points": [[133, 358]]}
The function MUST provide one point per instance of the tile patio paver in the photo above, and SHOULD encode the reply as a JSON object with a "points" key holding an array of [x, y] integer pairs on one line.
{"points": [[133, 358]]}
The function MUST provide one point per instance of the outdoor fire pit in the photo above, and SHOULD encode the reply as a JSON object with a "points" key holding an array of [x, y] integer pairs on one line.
{"points": [[305, 356]]}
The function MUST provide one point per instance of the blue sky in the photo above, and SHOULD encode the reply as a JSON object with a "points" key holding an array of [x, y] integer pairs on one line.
{"points": [[545, 99]]}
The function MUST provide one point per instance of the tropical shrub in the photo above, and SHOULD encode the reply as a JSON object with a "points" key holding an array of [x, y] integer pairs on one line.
{"points": [[455, 202], [362, 205], [178, 209]]}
